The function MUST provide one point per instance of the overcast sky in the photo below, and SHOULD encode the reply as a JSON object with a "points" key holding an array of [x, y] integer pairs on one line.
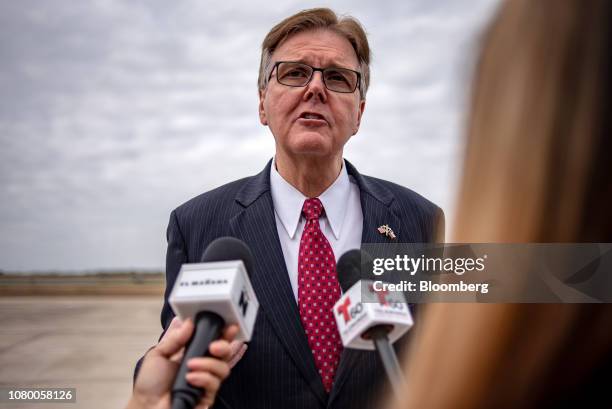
{"points": [[112, 113]]}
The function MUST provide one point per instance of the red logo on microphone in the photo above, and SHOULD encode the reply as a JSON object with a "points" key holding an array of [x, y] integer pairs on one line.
{"points": [[344, 309], [347, 312]]}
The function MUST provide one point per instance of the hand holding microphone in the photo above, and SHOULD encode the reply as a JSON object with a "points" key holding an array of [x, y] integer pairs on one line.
{"points": [[160, 365], [206, 296], [212, 293]]}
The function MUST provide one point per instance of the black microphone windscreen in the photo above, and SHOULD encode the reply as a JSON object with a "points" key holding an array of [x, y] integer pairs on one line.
{"points": [[229, 248], [349, 268]]}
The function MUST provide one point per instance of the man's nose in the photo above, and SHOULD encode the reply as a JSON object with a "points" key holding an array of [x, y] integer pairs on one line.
{"points": [[316, 88]]}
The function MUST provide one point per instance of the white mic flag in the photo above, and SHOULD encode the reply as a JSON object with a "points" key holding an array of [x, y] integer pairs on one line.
{"points": [[354, 317], [221, 287]]}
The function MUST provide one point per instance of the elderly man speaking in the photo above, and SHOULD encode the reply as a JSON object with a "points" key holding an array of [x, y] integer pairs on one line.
{"points": [[299, 215]]}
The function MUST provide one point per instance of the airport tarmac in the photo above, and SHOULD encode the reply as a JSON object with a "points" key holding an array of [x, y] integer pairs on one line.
{"points": [[87, 343]]}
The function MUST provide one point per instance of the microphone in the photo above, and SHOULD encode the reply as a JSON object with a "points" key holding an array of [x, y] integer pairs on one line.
{"points": [[374, 322], [212, 293]]}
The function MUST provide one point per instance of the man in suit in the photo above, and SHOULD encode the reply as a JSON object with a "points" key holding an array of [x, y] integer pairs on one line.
{"points": [[299, 215]]}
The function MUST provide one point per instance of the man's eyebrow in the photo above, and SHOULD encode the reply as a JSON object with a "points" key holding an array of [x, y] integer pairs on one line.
{"points": [[332, 65]]}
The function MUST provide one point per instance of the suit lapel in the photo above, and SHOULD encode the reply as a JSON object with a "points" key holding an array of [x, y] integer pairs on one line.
{"points": [[256, 225], [375, 206]]}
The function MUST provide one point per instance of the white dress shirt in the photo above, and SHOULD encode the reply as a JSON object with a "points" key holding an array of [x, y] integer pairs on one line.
{"points": [[342, 222]]}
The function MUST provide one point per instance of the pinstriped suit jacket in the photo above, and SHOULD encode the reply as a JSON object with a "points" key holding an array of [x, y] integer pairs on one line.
{"points": [[278, 370]]}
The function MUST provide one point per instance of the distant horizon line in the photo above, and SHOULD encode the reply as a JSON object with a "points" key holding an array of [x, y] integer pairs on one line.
{"points": [[86, 271]]}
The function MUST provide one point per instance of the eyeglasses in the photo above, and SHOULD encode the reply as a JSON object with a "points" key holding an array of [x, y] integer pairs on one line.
{"points": [[297, 74]]}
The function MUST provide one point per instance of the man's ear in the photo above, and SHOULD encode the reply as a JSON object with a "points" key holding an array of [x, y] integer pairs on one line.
{"points": [[362, 105], [262, 112]]}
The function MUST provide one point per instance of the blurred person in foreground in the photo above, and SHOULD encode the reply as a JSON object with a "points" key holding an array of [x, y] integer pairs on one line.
{"points": [[152, 389], [537, 169], [299, 215]]}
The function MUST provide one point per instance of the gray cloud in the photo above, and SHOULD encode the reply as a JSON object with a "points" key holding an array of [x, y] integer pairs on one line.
{"points": [[113, 113]]}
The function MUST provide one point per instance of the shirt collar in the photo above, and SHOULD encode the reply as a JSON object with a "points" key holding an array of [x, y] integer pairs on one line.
{"points": [[288, 201]]}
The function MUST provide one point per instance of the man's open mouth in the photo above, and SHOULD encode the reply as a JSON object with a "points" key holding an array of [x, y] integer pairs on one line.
{"points": [[312, 115]]}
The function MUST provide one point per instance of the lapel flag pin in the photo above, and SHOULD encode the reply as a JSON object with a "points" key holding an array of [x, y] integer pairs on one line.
{"points": [[387, 231]]}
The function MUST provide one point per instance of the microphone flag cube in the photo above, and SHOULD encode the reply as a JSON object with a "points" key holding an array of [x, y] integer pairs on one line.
{"points": [[222, 287], [355, 316]]}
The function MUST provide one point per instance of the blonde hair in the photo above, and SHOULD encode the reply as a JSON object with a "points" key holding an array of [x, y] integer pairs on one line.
{"points": [[313, 19], [537, 126], [535, 171]]}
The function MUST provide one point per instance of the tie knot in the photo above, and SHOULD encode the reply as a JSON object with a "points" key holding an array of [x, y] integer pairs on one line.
{"points": [[312, 208]]}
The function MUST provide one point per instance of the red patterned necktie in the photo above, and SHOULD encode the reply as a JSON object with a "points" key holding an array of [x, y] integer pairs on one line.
{"points": [[318, 290]]}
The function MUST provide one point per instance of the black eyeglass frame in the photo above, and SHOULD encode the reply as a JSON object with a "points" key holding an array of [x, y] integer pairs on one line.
{"points": [[315, 69]]}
